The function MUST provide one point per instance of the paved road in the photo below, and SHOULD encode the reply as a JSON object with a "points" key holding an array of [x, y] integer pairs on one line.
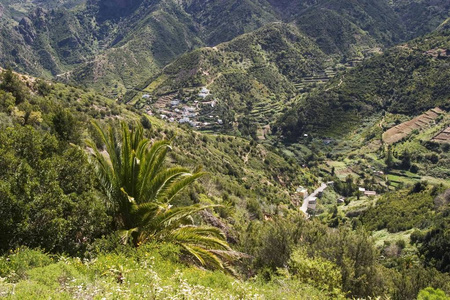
{"points": [[305, 203]]}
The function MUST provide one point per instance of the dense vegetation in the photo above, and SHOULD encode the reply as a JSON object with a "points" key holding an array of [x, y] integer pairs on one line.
{"points": [[407, 79], [51, 200], [117, 45], [99, 199]]}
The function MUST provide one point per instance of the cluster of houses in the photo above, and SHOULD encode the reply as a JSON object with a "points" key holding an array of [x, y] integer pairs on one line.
{"points": [[198, 113]]}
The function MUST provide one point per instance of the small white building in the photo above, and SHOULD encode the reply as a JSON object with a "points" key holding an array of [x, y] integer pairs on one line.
{"points": [[312, 203], [370, 193], [302, 192], [203, 92], [184, 120]]}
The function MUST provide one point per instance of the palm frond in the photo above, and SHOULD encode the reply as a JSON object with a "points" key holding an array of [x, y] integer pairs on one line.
{"points": [[162, 181], [173, 189], [196, 235], [164, 219], [205, 257]]}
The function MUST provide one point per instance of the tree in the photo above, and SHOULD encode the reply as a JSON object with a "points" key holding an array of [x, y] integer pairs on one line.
{"points": [[140, 188], [389, 159], [406, 160], [66, 126], [10, 82]]}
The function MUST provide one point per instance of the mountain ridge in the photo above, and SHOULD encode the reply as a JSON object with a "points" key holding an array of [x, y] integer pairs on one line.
{"points": [[348, 29]]}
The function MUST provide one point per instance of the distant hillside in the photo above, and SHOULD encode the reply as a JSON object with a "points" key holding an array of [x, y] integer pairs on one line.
{"points": [[114, 46], [347, 27], [15, 10], [250, 77], [407, 79], [421, 16]]}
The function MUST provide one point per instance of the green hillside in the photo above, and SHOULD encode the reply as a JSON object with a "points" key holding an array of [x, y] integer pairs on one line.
{"points": [[115, 46], [407, 79], [251, 77], [420, 17], [350, 27]]}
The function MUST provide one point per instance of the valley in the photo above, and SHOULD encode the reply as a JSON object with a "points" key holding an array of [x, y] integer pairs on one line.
{"points": [[254, 149]]}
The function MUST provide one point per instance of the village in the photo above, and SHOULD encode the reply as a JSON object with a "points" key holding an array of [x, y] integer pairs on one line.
{"points": [[198, 111]]}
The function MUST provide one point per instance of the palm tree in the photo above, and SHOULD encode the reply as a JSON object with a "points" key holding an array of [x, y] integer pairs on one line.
{"points": [[140, 188]]}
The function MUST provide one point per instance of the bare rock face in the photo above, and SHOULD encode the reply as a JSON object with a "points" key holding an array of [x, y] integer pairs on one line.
{"points": [[27, 30]]}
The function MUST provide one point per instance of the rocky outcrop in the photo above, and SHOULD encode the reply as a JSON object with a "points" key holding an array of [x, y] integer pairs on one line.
{"points": [[27, 30]]}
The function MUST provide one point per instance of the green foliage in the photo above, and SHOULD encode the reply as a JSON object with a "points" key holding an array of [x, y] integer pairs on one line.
{"points": [[399, 211], [66, 126], [434, 245], [47, 193], [318, 272], [15, 264], [432, 294], [10, 82], [151, 271]]}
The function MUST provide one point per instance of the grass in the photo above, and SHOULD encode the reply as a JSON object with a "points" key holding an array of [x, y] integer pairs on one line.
{"points": [[155, 84], [383, 236], [396, 179], [355, 204], [150, 272]]}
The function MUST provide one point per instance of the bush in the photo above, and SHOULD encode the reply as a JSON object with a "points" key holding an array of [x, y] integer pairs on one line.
{"points": [[15, 264], [317, 272], [432, 294]]}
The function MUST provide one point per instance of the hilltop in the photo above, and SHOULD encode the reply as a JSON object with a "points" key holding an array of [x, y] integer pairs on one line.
{"points": [[249, 79]]}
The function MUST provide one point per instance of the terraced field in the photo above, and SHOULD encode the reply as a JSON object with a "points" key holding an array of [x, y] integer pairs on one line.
{"points": [[265, 111], [397, 133], [443, 136]]}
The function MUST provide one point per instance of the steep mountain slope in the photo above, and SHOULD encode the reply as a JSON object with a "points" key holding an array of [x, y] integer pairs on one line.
{"points": [[116, 45], [344, 27], [250, 78], [407, 79], [221, 21], [421, 16]]}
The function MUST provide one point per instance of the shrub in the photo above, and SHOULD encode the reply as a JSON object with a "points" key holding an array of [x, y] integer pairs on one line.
{"points": [[15, 264], [432, 294], [318, 272]]}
